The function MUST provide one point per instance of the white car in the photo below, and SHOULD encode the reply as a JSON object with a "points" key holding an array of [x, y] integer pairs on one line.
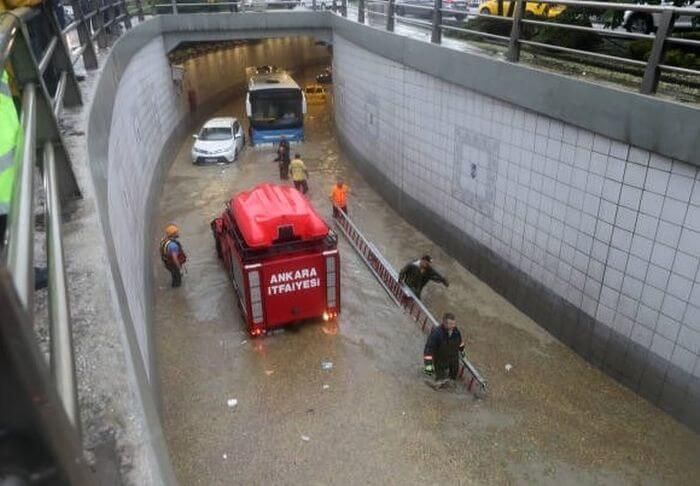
{"points": [[219, 141]]}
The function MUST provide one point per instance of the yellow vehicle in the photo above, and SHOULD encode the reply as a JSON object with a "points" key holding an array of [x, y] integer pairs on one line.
{"points": [[315, 94], [534, 9]]}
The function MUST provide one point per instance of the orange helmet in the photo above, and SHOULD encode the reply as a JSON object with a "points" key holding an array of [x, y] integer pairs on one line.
{"points": [[171, 230]]}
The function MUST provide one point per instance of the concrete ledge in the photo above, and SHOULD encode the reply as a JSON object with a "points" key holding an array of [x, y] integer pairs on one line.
{"points": [[665, 385]]}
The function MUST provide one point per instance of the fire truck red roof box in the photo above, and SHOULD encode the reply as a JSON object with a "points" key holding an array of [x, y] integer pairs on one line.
{"points": [[262, 211]]}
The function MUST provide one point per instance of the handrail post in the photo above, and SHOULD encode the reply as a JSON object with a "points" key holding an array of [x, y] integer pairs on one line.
{"points": [[313, 5], [652, 72], [515, 32], [390, 15], [127, 17], [100, 22], [89, 56], [62, 361], [139, 9], [436, 34], [173, 4], [334, 6], [361, 11], [344, 8], [20, 245]]}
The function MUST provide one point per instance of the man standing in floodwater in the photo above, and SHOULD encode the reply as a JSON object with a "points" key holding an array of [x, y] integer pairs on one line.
{"points": [[443, 350], [298, 171], [417, 274], [283, 158]]}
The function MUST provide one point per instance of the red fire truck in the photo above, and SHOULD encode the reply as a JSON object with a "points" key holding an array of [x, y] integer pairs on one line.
{"points": [[281, 256]]}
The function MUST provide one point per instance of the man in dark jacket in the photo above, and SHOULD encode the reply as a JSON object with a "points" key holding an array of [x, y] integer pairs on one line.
{"points": [[443, 350], [283, 158], [417, 274]]}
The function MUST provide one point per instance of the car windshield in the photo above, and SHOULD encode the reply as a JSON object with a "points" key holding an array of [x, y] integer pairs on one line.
{"points": [[215, 133]]}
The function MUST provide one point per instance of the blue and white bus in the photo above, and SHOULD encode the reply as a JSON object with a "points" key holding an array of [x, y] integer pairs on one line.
{"points": [[275, 105]]}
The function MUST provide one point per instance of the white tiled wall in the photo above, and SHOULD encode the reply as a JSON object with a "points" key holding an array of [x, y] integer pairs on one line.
{"points": [[613, 229]]}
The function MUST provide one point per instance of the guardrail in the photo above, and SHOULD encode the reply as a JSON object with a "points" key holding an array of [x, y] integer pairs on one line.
{"points": [[393, 11], [34, 51]]}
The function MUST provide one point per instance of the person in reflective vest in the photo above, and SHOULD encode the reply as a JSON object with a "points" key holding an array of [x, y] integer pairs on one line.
{"points": [[339, 197], [8, 141], [443, 350], [172, 254]]}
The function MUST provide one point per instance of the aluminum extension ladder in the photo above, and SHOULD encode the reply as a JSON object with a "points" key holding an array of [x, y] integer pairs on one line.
{"points": [[403, 296]]}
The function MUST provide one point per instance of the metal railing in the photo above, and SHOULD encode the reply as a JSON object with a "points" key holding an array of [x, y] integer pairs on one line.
{"points": [[35, 52], [402, 295], [392, 11], [440, 20]]}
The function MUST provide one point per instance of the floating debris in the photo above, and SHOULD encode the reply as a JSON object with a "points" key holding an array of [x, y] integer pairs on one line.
{"points": [[305, 438], [326, 387], [231, 402], [326, 365]]}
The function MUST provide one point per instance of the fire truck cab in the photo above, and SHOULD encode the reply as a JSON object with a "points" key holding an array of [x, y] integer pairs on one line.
{"points": [[281, 257]]}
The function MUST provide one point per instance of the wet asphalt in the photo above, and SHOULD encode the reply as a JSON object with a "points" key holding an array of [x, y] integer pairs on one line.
{"points": [[371, 419]]}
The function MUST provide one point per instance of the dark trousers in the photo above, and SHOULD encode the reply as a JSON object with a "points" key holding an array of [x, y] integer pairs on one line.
{"points": [[337, 210], [447, 370], [301, 186], [284, 170], [176, 274]]}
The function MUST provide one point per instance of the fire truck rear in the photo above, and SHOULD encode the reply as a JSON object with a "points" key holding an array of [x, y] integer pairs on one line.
{"points": [[280, 256]]}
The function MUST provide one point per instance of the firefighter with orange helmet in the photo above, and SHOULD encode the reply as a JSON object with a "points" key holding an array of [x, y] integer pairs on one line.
{"points": [[172, 254]]}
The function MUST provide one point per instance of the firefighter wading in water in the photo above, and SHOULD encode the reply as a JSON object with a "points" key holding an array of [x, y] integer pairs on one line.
{"points": [[417, 274], [443, 350], [172, 254]]}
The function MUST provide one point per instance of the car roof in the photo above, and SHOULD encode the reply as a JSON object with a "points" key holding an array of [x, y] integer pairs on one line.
{"points": [[224, 121]]}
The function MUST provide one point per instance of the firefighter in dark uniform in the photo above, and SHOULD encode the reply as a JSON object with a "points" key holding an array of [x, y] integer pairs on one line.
{"points": [[443, 350], [417, 274]]}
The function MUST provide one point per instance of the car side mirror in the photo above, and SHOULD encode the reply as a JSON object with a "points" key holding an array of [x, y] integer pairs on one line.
{"points": [[195, 136], [237, 135]]}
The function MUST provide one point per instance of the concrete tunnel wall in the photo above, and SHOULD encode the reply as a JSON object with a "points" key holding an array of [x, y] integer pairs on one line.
{"points": [[594, 238], [136, 123]]}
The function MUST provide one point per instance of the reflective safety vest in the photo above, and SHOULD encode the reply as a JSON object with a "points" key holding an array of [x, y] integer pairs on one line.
{"points": [[339, 195], [9, 129], [165, 254]]}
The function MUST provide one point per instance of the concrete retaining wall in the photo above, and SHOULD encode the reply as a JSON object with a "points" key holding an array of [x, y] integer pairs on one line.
{"points": [[596, 239]]}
